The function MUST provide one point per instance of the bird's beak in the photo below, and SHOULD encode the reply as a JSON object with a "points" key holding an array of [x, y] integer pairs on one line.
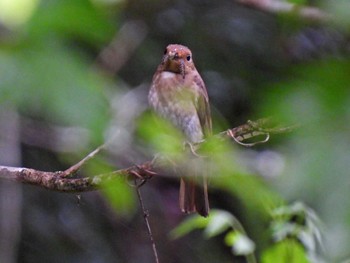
{"points": [[175, 56], [182, 69], [170, 56]]}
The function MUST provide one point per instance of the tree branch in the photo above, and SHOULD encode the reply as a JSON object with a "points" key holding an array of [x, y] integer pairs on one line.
{"points": [[58, 181], [62, 181]]}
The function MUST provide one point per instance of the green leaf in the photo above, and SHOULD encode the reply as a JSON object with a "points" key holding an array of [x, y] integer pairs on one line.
{"points": [[54, 83], [78, 19], [287, 251], [16, 12], [298, 221], [298, 2], [188, 225], [240, 243], [161, 135], [120, 195], [218, 222]]}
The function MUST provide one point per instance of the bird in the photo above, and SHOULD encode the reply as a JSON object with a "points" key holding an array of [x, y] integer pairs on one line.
{"points": [[178, 94]]}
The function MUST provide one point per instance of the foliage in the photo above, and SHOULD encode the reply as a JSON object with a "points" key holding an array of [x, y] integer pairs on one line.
{"points": [[285, 251], [295, 230], [217, 223], [47, 77]]}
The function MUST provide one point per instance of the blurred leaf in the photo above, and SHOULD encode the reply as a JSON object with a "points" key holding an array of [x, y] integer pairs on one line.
{"points": [[298, 2], [230, 172], [230, 175], [75, 19], [339, 11], [218, 222], [300, 222], [221, 221], [16, 12], [316, 96], [98, 165], [240, 243], [188, 225], [256, 195], [287, 251], [161, 135], [317, 92], [120, 195], [53, 82]]}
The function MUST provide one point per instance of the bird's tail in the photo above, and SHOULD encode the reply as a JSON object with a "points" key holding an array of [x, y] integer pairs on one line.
{"points": [[194, 195]]}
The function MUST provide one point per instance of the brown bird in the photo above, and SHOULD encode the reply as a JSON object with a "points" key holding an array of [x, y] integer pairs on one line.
{"points": [[178, 94]]}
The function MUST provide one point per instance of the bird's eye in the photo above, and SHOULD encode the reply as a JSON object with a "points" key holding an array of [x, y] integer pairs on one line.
{"points": [[188, 58], [165, 51]]}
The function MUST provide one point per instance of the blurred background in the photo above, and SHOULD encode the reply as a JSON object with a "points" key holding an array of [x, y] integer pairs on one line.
{"points": [[74, 74]]}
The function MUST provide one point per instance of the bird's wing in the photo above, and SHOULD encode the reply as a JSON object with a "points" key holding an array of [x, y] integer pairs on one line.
{"points": [[202, 107]]}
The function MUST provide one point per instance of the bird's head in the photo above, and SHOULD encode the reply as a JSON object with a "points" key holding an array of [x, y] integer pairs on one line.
{"points": [[177, 59]]}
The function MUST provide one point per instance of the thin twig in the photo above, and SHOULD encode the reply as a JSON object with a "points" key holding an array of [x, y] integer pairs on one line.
{"points": [[253, 129], [73, 169], [145, 217]]}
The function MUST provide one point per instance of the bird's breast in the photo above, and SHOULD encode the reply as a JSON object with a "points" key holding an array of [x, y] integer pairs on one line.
{"points": [[168, 75], [172, 97]]}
